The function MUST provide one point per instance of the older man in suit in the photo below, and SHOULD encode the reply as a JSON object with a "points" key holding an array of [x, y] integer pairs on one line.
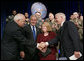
{"points": [[13, 38], [68, 37], [30, 51]]}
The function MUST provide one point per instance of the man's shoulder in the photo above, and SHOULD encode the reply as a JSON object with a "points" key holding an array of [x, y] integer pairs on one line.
{"points": [[11, 24], [68, 22], [38, 29], [11, 27], [27, 27]]}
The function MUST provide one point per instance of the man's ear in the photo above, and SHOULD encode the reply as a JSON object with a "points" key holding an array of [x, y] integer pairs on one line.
{"points": [[61, 17], [18, 20]]}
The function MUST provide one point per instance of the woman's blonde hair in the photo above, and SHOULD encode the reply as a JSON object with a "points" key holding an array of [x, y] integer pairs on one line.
{"points": [[47, 25]]}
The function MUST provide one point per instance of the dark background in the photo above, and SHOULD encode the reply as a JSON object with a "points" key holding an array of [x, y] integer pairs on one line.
{"points": [[54, 6]]}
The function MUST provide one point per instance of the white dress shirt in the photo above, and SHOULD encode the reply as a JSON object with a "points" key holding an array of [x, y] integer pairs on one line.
{"points": [[32, 28]]}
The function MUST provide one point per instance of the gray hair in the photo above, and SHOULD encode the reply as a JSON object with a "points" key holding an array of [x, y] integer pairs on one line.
{"points": [[62, 15], [32, 16], [18, 16]]}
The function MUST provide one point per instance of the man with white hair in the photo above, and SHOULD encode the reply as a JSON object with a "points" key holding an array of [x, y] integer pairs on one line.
{"points": [[13, 39], [68, 37]]}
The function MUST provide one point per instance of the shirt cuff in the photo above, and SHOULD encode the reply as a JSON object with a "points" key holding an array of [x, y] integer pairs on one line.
{"points": [[37, 45], [47, 43]]}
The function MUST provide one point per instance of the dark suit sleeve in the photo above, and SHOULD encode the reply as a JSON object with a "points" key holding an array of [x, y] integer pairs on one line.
{"points": [[54, 41], [73, 33], [20, 39]]}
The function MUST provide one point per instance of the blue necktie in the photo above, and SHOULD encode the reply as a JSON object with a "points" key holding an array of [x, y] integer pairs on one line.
{"points": [[34, 35]]}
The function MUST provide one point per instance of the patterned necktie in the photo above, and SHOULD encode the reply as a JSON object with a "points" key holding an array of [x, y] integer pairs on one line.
{"points": [[34, 35]]}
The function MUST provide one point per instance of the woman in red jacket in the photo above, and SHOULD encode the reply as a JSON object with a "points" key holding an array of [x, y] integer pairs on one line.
{"points": [[44, 37]]}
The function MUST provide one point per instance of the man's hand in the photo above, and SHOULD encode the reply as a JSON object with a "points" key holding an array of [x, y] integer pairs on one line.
{"points": [[22, 54], [77, 54], [42, 46], [44, 50]]}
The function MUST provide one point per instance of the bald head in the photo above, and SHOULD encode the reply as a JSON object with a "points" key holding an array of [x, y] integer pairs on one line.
{"points": [[51, 16], [20, 19]]}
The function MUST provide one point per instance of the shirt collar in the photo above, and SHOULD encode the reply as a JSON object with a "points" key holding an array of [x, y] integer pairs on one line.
{"points": [[62, 23], [32, 27]]}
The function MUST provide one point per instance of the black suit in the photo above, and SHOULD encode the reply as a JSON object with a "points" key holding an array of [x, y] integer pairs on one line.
{"points": [[12, 41], [31, 52], [69, 39]]}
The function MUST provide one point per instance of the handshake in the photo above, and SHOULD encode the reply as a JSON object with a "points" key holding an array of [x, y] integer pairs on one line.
{"points": [[42, 46]]}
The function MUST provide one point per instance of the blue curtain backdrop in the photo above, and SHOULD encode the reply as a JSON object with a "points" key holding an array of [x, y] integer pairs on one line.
{"points": [[3, 17], [68, 7], [73, 6]]}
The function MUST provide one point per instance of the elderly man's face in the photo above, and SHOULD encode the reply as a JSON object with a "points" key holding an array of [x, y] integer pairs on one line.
{"points": [[51, 16], [21, 22], [33, 21], [58, 19]]}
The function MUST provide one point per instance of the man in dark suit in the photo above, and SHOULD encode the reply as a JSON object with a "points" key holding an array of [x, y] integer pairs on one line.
{"points": [[31, 52], [68, 37], [13, 38]]}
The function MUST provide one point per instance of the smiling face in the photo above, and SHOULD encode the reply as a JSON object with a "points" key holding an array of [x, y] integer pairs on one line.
{"points": [[44, 28], [33, 21], [58, 19]]}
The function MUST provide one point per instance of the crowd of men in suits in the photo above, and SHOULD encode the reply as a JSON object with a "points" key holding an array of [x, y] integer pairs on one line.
{"points": [[20, 35]]}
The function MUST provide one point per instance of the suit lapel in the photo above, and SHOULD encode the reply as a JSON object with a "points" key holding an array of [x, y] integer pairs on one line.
{"points": [[37, 30], [62, 31], [31, 32]]}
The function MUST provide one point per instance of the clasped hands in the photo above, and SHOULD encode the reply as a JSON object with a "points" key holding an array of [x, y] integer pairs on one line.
{"points": [[42, 47]]}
